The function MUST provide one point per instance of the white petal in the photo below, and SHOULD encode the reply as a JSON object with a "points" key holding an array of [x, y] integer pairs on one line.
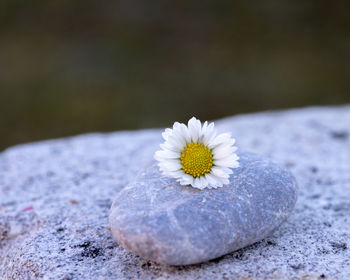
{"points": [[186, 179], [203, 131], [203, 181], [221, 138], [234, 148], [223, 152], [221, 180], [226, 162], [227, 170], [177, 134], [194, 127], [229, 140], [175, 141], [204, 127], [181, 131], [166, 133], [183, 183], [167, 154], [170, 165], [197, 183], [219, 172], [211, 180], [215, 181], [166, 146], [227, 144], [209, 135], [176, 124], [176, 174], [225, 181], [185, 133]]}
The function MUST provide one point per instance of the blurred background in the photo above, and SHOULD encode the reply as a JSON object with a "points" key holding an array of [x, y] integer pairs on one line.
{"points": [[69, 67]]}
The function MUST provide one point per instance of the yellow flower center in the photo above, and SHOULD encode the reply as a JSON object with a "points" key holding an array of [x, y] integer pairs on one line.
{"points": [[196, 159]]}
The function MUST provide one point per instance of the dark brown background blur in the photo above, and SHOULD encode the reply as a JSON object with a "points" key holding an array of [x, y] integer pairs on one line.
{"points": [[68, 67]]}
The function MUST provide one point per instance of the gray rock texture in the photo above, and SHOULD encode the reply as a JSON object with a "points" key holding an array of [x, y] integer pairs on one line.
{"points": [[157, 218], [55, 198]]}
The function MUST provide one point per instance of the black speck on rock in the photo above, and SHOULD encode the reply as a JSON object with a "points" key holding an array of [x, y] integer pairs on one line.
{"points": [[339, 135], [327, 206], [85, 244], [89, 250], [297, 266], [271, 243], [313, 169], [339, 245], [50, 174], [315, 196], [239, 256], [146, 264], [341, 207], [327, 224], [92, 252], [323, 251]]}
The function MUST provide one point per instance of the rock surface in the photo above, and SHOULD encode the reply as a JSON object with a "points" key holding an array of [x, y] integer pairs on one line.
{"points": [[159, 219], [55, 198]]}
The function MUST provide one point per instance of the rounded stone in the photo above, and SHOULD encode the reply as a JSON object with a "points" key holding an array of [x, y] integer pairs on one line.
{"points": [[158, 219]]}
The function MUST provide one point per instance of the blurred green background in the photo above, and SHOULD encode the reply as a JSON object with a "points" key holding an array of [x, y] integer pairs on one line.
{"points": [[68, 67]]}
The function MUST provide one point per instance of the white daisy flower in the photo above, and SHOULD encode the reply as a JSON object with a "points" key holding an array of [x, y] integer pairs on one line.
{"points": [[195, 155]]}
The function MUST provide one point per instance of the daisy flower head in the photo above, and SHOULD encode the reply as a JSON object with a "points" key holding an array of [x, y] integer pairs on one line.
{"points": [[195, 155]]}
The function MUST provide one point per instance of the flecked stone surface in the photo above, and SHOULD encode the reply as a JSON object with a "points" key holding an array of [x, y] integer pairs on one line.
{"points": [[158, 219], [55, 198]]}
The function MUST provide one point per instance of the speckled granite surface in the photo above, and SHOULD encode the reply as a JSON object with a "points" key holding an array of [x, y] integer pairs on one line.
{"points": [[55, 198]]}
